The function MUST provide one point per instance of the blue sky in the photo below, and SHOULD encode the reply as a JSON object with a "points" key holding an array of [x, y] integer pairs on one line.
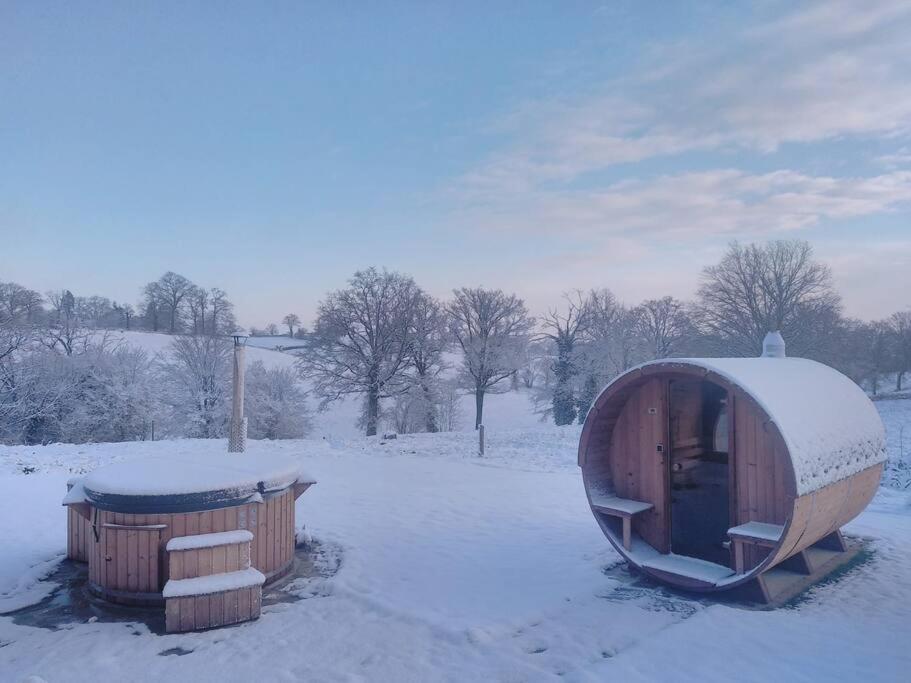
{"points": [[272, 149]]}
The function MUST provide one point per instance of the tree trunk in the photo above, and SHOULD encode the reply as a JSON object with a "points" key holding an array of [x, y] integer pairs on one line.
{"points": [[479, 407], [898, 380], [373, 410], [430, 409]]}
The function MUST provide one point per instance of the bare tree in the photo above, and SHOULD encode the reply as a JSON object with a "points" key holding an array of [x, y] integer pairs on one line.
{"points": [[762, 287], [491, 328], [663, 325], [198, 305], [291, 320], [65, 332], [360, 342], [222, 317], [168, 294], [126, 313], [19, 303]]}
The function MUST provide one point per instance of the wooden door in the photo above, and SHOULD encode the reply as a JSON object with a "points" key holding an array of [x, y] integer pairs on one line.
{"points": [[639, 459]]}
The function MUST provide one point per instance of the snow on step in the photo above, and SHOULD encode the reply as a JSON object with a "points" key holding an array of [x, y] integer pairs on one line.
{"points": [[209, 540], [216, 583], [758, 530], [621, 505], [691, 567]]}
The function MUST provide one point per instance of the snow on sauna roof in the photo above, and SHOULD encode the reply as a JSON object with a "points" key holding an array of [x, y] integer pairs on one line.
{"points": [[832, 430], [188, 479]]}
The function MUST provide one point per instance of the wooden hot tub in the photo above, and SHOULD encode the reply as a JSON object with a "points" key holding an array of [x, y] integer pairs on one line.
{"points": [[123, 515]]}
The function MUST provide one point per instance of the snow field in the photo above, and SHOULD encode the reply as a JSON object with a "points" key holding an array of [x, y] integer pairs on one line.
{"points": [[456, 568]]}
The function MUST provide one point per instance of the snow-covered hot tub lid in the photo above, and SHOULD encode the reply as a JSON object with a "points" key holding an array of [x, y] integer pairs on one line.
{"points": [[190, 482]]}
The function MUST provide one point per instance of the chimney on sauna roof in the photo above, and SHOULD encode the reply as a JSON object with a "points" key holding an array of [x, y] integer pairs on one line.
{"points": [[773, 345]]}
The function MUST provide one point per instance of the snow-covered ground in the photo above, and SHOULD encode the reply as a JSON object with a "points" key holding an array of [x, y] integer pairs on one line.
{"points": [[458, 568]]}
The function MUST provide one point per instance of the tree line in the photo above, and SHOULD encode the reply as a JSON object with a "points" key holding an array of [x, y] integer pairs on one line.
{"points": [[406, 356], [384, 339], [65, 377]]}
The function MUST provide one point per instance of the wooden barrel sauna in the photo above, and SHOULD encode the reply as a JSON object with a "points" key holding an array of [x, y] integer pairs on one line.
{"points": [[705, 473], [124, 514]]}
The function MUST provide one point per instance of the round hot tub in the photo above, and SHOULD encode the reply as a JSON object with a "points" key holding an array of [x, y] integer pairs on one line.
{"points": [[126, 513]]}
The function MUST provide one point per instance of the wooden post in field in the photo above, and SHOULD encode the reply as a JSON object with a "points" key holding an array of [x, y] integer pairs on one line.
{"points": [[237, 440], [480, 439]]}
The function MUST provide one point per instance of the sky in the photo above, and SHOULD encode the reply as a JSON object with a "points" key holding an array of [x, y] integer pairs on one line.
{"points": [[273, 149]]}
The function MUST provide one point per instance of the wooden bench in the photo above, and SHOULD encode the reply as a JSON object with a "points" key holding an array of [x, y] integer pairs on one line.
{"points": [[623, 508], [210, 581], [753, 533]]}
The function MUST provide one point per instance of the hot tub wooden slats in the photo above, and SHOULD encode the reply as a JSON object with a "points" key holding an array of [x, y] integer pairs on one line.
{"points": [[125, 560], [133, 560], [79, 536]]}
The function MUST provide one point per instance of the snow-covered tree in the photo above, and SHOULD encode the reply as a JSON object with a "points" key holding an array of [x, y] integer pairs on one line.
{"points": [[360, 342], [900, 324], [195, 377], [565, 330], [275, 404], [491, 328], [427, 342]]}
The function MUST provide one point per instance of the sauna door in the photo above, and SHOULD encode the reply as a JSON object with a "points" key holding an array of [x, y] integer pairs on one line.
{"points": [[639, 459], [699, 483]]}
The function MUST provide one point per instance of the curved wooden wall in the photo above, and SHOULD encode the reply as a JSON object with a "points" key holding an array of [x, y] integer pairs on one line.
{"points": [[130, 565], [617, 453]]}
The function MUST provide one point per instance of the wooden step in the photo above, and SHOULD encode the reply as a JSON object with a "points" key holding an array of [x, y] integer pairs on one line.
{"points": [[202, 555], [214, 600]]}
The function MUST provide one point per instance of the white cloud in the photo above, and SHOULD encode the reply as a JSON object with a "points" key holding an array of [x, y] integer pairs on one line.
{"points": [[832, 70], [720, 203]]}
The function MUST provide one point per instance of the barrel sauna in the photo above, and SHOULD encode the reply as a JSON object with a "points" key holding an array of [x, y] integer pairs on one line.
{"points": [[707, 473], [123, 515]]}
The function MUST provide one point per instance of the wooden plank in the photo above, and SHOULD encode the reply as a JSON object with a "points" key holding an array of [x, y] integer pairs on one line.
{"points": [[216, 610], [172, 615], [243, 604], [272, 534], [262, 546], [122, 552], [192, 523], [256, 601], [205, 522], [202, 611], [232, 558], [231, 518], [187, 614], [179, 523], [219, 559], [218, 520], [175, 565], [204, 562], [155, 583], [132, 560], [142, 552], [191, 563], [231, 607]]}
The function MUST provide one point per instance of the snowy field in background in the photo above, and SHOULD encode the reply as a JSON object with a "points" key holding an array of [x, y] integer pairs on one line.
{"points": [[510, 410], [458, 568]]}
